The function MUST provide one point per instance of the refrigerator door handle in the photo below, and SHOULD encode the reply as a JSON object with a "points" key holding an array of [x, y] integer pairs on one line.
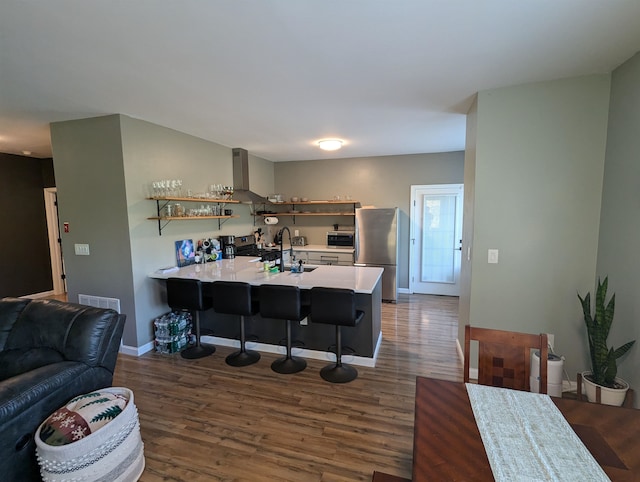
{"points": [[356, 243]]}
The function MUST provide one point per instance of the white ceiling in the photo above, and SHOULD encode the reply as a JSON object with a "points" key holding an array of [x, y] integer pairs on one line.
{"points": [[274, 76]]}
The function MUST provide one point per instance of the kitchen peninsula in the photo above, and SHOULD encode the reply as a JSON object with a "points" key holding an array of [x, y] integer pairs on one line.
{"points": [[315, 339]]}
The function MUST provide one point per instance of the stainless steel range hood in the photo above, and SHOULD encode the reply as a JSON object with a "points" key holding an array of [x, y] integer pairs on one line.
{"points": [[241, 190]]}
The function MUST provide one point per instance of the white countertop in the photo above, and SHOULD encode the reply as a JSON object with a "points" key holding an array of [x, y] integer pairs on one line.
{"points": [[246, 269]]}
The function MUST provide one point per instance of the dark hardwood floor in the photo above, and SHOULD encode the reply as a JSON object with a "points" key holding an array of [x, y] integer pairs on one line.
{"points": [[202, 420]]}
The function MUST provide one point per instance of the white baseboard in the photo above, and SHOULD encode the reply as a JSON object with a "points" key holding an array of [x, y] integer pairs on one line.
{"points": [[301, 352], [136, 350], [267, 348]]}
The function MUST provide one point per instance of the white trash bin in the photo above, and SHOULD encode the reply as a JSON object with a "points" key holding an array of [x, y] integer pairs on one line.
{"points": [[555, 366]]}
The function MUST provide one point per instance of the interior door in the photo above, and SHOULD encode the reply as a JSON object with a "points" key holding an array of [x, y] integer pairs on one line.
{"points": [[436, 239]]}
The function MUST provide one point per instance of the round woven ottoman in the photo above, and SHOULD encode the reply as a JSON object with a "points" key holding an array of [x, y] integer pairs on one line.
{"points": [[111, 452]]}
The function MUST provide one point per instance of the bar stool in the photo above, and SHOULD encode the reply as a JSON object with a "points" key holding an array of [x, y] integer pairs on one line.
{"points": [[235, 298], [334, 306], [283, 303], [186, 294]]}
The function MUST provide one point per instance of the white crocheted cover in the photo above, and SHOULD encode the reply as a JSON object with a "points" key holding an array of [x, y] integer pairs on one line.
{"points": [[526, 438], [113, 453]]}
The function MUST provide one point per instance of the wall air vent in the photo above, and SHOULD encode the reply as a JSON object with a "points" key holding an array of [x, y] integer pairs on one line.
{"points": [[100, 302]]}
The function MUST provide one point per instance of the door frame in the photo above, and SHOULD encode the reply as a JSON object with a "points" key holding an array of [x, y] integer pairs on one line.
{"points": [[55, 247], [412, 232]]}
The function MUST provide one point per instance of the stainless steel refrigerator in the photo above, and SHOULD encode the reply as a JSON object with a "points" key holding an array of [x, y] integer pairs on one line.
{"points": [[376, 244]]}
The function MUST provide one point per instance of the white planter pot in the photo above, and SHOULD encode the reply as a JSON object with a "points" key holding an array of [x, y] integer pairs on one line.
{"points": [[608, 396]]}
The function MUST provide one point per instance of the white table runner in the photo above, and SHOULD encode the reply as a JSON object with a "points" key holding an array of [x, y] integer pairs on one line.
{"points": [[526, 438]]}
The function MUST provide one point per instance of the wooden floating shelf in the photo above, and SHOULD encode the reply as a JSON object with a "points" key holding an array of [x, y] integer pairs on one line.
{"points": [[306, 214], [183, 218], [301, 203], [194, 200]]}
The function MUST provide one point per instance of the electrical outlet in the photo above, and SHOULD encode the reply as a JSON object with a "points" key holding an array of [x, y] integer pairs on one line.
{"points": [[493, 256]]}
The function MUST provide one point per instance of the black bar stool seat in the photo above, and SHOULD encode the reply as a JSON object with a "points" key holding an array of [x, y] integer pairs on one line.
{"points": [[187, 294], [236, 298], [284, 303], [335, 306]]}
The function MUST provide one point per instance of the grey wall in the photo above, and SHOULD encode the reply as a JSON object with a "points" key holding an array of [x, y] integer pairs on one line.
{"points": [[619, 227], [539, 162], [104, 168], [378, 181], [91, 198]]}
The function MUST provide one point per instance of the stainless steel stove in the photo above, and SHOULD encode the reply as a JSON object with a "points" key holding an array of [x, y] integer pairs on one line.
{"points": [[246, 246]]}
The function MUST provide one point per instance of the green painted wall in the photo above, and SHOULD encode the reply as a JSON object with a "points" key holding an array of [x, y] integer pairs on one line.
{"points": [[620, 226], [539, 163]]}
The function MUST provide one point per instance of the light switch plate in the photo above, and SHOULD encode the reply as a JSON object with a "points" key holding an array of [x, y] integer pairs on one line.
{"points": [[81, 249], [493, 256]]}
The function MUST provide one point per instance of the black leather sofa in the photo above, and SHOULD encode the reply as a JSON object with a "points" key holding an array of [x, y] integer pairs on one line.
{"points": [[50, 352]]}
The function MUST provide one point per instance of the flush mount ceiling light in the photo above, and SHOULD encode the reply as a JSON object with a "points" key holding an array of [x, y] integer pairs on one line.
{"points": [[330, 144]]}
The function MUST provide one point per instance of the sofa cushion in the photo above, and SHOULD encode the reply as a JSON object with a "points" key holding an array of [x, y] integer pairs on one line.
{"points": [[10, 309], [18, 361], [82, 416]]}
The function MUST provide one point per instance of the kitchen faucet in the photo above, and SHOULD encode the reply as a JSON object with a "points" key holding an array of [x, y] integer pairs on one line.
{"points": [[281, 236]]}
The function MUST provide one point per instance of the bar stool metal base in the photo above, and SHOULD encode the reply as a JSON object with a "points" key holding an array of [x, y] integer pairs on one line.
{"points": [[197, 351], [339, 373], [242, 358], [288, 365]]}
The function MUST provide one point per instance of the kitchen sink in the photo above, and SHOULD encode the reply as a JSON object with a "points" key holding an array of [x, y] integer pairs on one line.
{"points": [[305, 269]]}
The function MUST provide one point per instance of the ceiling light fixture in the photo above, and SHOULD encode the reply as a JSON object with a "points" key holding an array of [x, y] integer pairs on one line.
{"points": [[330, 144]]}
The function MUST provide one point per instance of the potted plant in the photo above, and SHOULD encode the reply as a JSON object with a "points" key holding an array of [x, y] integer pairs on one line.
{"points": [[603, 359]]}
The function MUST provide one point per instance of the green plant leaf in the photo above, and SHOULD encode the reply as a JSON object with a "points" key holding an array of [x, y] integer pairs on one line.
{"points": [[603, 359], [623, 349]]}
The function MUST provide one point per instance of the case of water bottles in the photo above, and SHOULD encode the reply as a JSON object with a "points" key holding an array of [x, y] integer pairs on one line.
{"points": [[172, 331]]}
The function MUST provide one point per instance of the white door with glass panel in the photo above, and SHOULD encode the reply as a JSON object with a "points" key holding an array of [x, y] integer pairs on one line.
{"points": [[436, 239]]}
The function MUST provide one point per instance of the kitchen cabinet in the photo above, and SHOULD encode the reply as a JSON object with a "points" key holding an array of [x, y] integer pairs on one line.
{"points": [[164, 218], [325, 257], [307, 208]]}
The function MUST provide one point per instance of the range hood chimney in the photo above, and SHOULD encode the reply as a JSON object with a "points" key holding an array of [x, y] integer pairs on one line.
{"points": [[241, 189]]}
